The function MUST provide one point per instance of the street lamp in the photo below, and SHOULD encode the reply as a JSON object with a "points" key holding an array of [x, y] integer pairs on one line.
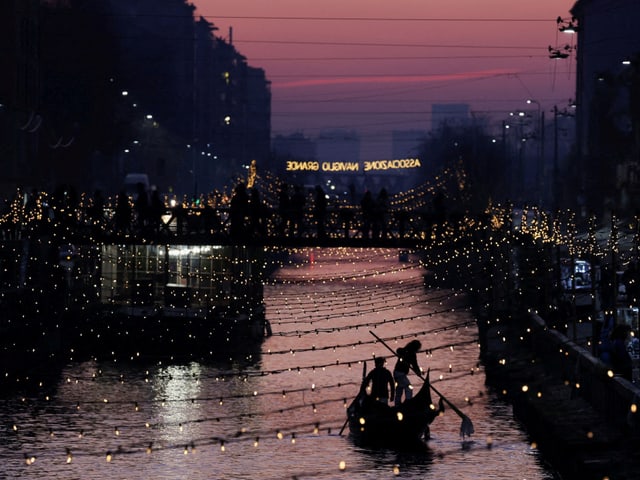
{"points": [[540, 128], [517, 174], [560, 53], [556, 169], [567, 26]]}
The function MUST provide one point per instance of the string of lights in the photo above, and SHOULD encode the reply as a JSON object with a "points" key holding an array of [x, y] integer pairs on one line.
{"points": [[388, 289], [220, 446], [314, 331], [456, 250], [245, 374], [343, 316]]}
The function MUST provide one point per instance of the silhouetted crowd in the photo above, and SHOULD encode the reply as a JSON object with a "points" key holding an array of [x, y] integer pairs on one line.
{"points": [[296, 212]]}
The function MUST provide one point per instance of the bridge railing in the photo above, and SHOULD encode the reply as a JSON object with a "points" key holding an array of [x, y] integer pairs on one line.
{"points": [[344, 224]]}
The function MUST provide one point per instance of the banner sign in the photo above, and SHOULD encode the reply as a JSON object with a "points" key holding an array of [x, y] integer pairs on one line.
{"points": [[365, 166]]}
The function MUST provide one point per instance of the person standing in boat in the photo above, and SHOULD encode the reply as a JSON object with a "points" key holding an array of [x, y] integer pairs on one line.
{"points": [[407, 359], [382, 384]]}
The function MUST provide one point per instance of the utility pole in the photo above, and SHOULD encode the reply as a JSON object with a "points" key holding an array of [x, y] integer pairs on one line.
{"points": [[556, 180], [541, 161]]}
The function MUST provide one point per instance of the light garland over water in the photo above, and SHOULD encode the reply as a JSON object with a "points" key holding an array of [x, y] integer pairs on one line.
{"points": [[464, 255]]}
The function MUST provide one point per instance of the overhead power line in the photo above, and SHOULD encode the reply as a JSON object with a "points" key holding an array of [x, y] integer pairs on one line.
{"points": [[379, 19], [395, 57], [279, 18], [402, 45]]}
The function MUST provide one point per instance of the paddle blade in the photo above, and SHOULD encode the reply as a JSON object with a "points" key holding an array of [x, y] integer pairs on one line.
{"points": [[466, 428]]}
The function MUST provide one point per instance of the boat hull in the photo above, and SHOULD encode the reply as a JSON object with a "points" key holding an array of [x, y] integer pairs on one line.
{"points": [[407, 425]]}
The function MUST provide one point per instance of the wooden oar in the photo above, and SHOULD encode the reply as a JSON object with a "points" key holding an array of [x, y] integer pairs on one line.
{"points": [[466, 428], [364, 375]]}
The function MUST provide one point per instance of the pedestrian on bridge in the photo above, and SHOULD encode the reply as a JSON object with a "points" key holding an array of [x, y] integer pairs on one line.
{"points": [[298, 201], [238, 213], [368, 208], [320, 212], [283, 209], [122, 214]]}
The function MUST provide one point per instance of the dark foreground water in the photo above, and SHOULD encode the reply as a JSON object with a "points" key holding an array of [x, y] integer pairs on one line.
{"points": [[277, 414]]}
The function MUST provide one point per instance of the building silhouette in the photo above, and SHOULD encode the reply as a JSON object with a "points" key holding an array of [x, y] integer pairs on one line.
{"points": [[92, 91], [606, 174], [20, 118]]}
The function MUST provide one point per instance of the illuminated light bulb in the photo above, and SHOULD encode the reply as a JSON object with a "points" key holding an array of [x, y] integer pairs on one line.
{"points": [[634, 408], [400, 416], [279, 435], [293, 438], [116, 431], [525, 388], [590, 435], [109, 457], [396, 469], [342, 465], [222, 447], [256, 442], [610, 373], [361, 421]]}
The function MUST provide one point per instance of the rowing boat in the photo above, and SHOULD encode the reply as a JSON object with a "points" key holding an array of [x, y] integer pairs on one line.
{"points": [[374, 423]]}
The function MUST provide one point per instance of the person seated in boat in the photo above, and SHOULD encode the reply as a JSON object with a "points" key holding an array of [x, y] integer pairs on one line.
{"points": [[382, 384], [407, 359]]}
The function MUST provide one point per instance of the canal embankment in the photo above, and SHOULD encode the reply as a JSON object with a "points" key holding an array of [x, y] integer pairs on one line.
{"points": [[582, 418], [524, 292]]}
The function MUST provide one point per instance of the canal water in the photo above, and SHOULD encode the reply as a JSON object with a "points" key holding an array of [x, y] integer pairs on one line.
{"points": [[279, 412]]}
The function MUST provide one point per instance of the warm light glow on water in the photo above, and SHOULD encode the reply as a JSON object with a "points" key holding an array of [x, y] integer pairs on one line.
{"points": [[279, 417]]}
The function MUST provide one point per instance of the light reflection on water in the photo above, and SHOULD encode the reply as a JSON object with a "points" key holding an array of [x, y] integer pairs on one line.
{"points": [[202, 421]]}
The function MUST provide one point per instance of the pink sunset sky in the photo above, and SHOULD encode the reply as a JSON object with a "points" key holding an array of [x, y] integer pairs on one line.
{"points": [[375, 67]]}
